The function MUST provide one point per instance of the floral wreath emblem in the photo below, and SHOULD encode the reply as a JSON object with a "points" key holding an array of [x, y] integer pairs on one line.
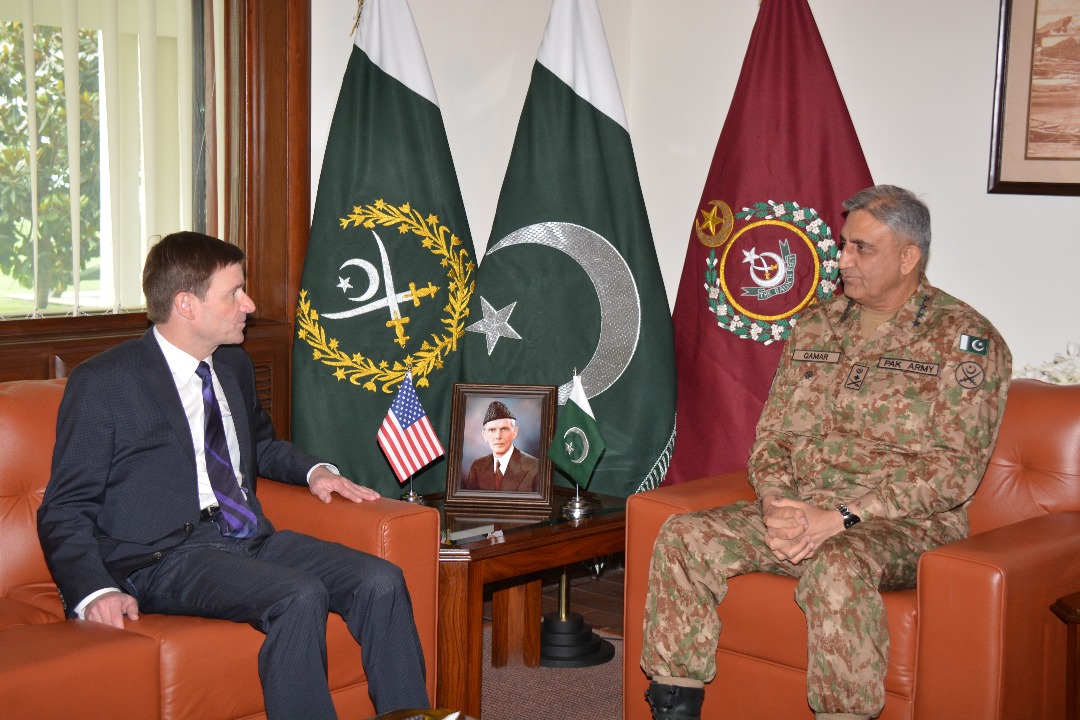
{"points": [[807, 226], [368, 372]]}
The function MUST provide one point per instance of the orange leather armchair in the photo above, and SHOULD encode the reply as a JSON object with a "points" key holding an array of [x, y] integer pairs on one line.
{"points": [[169, 666], [975, 640]]}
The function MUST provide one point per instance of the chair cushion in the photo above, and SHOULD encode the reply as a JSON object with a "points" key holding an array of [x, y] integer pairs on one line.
{"points": [[196, 652], [77, 669], [14, 613]]}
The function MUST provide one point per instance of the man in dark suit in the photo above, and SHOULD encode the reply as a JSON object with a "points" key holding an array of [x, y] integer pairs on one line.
{"points": [[506, 469], [151, 505]]}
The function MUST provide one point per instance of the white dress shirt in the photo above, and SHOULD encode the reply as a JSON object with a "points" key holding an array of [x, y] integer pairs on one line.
{"points": [[189, 385]]}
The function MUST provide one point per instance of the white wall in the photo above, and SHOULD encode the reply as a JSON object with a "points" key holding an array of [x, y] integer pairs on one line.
{"points": [[918, 78]]}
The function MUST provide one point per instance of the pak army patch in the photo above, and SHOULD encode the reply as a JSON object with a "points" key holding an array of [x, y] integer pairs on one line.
{"points": [[766, 265], [970, 375]]}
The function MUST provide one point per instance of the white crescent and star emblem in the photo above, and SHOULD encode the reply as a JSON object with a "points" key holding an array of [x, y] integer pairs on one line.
{"points": [[620, 304], [579, 433], [391, 300], [769, 264]]}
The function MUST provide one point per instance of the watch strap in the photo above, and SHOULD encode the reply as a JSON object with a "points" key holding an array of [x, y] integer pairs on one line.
{"points": [[850, 518]]}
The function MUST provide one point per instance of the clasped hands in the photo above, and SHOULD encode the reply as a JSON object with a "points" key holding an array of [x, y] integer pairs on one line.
{"points": [[794, 530]]}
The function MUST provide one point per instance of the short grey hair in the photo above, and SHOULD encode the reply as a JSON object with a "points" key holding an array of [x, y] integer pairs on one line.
{"points": [[904, 213]]}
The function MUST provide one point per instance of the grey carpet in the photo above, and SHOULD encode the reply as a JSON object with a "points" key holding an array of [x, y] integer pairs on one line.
{"points": [[541, 693]]}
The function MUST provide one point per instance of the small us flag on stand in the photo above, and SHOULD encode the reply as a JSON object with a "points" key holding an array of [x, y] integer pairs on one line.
{"points": [[406, 436]]}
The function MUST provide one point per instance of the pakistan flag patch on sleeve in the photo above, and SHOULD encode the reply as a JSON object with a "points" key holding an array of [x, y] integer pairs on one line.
{"points": [[974, 345]]}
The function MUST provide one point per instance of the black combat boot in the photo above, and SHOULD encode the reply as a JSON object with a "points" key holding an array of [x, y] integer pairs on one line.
{"points": [[675, 702]]}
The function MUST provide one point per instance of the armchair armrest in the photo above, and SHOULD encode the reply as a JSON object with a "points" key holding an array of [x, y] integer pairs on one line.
{"points": [[645, 513], [994, 590], [405, 534]]}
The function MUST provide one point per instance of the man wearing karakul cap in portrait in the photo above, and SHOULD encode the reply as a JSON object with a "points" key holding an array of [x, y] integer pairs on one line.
{"points": [[507, 468]]}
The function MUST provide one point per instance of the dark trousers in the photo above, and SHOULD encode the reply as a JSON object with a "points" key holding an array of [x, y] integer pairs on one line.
{"points": [[285, 584]]}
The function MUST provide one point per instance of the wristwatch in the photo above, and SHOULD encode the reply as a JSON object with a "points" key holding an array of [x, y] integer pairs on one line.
{"points": [[850, 518]]}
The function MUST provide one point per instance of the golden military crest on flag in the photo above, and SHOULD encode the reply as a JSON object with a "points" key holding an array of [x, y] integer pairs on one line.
{"points": [[397, 300], [766, 264]]}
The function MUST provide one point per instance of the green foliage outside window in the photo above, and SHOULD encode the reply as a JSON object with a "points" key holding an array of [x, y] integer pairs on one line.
{"points": [[55, 272]]}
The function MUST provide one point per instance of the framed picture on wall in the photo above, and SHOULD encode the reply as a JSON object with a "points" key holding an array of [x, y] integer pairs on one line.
{"points": [[499, 436], [1035, 143]]}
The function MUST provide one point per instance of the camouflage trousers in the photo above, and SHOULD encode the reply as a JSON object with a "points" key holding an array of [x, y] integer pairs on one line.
{"points": [[838, 588]]}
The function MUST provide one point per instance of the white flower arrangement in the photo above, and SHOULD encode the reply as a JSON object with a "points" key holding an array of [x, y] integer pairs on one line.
{"points": [[1063, 369]]}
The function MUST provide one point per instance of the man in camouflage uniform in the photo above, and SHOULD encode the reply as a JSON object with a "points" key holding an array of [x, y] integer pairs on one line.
{"points": [[878, 428]]}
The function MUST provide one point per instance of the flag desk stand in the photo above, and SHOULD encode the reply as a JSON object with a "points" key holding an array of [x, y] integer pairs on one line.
{"points": [[577, 508], [566, 641], [412, 496]]}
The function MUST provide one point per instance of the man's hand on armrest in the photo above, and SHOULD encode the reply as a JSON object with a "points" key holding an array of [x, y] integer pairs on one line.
{"points": [[324, 482], [110, 609]]}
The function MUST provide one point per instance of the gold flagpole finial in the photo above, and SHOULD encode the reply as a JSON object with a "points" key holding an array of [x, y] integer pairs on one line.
{"points": [[356, 20]]}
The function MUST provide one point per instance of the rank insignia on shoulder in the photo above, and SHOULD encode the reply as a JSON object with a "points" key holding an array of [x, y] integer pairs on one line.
{"points": [[974, 345]]}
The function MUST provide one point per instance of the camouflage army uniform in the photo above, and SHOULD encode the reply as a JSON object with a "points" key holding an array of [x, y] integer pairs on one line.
{"points": [[900, 425]]}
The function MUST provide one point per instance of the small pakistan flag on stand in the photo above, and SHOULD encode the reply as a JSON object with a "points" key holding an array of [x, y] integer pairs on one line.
{"points": [[577, 444]]}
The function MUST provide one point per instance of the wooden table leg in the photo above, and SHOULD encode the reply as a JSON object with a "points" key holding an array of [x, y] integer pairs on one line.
{"points": [[515, 625], [474, 641], [460, 638], [1068, 609], [452, 665]]}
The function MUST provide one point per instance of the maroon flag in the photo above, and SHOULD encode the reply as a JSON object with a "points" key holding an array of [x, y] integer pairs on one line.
{"points": [[764, 242], [406, 436]]}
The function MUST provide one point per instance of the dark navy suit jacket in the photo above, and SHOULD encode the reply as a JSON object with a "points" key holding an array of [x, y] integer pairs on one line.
{"points": [[124, 488]]}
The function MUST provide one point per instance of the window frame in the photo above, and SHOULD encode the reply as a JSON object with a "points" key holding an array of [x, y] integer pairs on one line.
{"points": [[274, 215]]}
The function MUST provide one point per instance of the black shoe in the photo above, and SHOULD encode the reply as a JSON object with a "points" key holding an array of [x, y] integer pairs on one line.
{"points": [[675, 702]]}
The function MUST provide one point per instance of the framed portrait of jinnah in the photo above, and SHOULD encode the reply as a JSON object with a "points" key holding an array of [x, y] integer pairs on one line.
{"points": [[499, 436]]}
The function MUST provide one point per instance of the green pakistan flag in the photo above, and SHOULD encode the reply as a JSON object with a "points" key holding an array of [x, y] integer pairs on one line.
{"points": [[389, 269], [570, 278]]}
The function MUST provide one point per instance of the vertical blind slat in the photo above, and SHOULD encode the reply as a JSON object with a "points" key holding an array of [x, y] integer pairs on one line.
{"points": [[112, 215], [148, 86], [69, 29], [29, 71], [185, 100]]}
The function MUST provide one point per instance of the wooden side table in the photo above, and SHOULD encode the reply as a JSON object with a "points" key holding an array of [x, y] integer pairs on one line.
{"points": [[513, 561], [1068, 609]]}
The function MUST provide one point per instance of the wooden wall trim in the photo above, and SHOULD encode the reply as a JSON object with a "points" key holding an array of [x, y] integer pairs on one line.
{"points": [[278, 73], [278, 185]]}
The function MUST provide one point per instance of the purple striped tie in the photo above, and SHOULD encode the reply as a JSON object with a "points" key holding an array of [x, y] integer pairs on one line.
{"points": [[239, 520]]}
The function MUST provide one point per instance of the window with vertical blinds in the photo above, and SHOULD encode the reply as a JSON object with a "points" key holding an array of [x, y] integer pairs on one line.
{"points": [[112, 134]]}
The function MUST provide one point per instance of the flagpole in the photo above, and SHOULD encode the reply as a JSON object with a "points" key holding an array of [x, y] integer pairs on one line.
{"points": [[577, 508], [413, 496]]}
